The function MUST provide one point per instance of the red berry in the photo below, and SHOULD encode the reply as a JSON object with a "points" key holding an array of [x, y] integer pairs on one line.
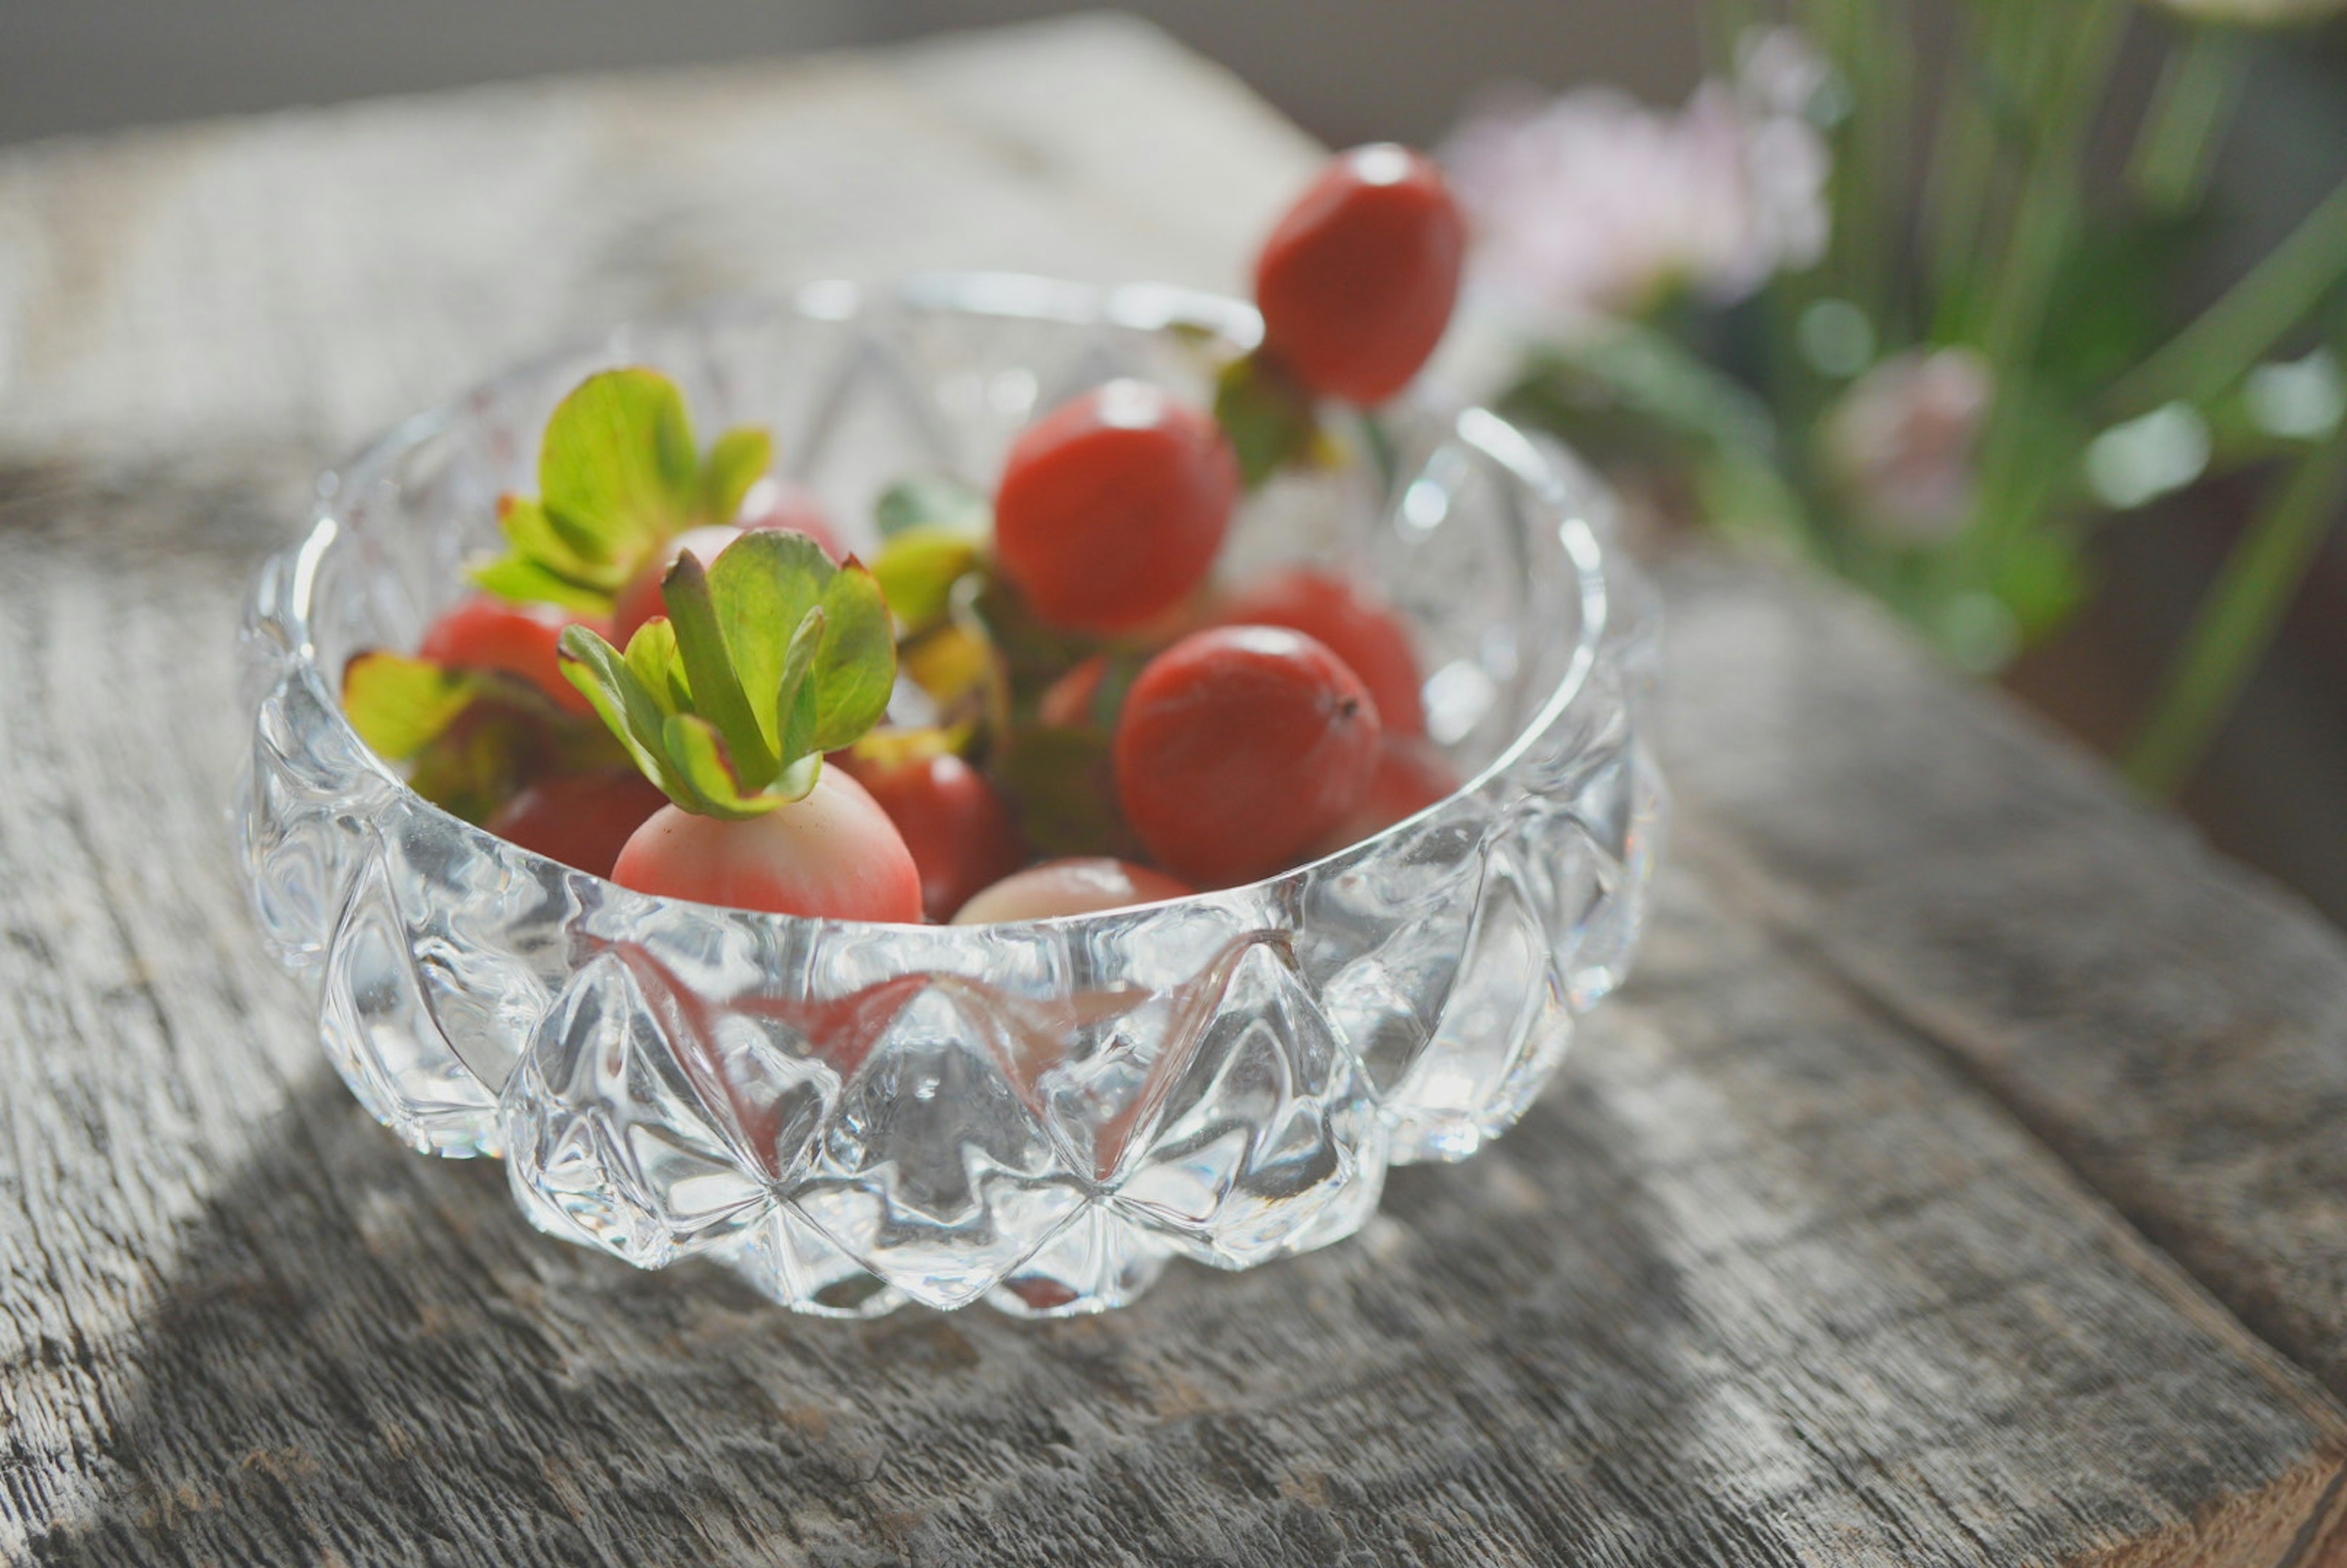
{"points": [[1112, 506], [957, 827], [833, 855], [1239, 747], [486, 633], [1079, 887], [1357, 281], [1410, 776], [580, 819], [1358, 627]]}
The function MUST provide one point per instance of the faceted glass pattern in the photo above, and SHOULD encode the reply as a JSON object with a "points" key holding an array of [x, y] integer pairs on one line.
{"points": [[1038, 1115]]}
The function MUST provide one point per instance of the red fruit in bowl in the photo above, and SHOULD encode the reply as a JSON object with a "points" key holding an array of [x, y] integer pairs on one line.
{"points": [[1239, 747], [957, 828], [1359, 628], [1357, 279], [832, 854], [1409, 776], [1085, 886], [583, 820], [1112, 506], [486, 633]]}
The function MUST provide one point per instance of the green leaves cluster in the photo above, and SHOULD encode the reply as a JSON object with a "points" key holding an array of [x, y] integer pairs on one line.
{"points": [[471, 740], [935, 533], [619, 475], [766, 660], [1267, 415]]}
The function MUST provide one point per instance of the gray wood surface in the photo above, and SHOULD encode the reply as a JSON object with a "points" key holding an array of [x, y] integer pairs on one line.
{"points": [[1955, 1185]]}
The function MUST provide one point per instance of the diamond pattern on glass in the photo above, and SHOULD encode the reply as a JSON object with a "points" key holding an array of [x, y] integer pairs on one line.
{"points": [[936, 1171], [787, 1257], [1040, 1117], [1502, 1030], [376, 1026], [1256, 1120], [1096, 1261], [636, 1124]]}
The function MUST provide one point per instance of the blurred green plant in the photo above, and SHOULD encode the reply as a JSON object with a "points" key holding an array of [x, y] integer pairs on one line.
{"points": [[1903, 330]]}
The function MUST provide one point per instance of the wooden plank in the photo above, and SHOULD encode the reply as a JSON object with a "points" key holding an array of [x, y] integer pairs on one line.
{"points": [[1764, 1284], [2175, 1027], [1768, 1280]]}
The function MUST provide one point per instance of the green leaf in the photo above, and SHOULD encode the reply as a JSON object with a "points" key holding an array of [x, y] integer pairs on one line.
{"points": [[890, 749], [950, 661], [917, 569], [1034, 653], [934, 502], [536, 536], [400, 706], [711, 671], [619, 468], [626, 704], [1062, 785], [794, 705], [764, 662], [485, 758], [855, 664], [618, 476], [1270, 419], [653, 655], [797, 781], [764, 584], [696, 751], [522, 581], [737, 460], [470, 740]]}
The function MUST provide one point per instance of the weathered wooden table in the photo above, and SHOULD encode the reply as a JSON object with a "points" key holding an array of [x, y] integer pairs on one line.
{"points": [[1960, 1180]]}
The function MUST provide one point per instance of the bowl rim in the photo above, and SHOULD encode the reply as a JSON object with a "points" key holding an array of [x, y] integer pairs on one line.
{"points": [[1137, 306]]}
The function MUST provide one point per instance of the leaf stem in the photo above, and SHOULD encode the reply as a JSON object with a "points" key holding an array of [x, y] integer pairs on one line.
{"points": [[2222, 346], [1964, 164], [2238, 621], [2045, 220], [1882, 132], [2199, 88]]}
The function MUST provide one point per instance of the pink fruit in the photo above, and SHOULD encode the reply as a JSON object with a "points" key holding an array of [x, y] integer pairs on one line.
{"points": [[833, 854], [1079, 887]]}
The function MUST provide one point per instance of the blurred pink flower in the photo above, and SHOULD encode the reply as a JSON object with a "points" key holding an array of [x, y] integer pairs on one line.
{"points": [[1591, 205], [1899, 447]]}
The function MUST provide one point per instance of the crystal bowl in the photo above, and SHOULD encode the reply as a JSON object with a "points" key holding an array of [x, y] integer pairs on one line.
{"points": [[1036, 1114]]}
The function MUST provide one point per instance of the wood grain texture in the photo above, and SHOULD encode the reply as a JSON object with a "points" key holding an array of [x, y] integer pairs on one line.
{"points": [[2172, 1025], [1773, 1276]]}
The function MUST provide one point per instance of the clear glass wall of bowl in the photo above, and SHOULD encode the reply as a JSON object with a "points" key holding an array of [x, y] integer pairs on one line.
{"points": [[1038, 1115]]}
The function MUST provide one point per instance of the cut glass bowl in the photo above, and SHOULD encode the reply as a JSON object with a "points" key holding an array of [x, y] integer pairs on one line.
{"points": [[1036, 1114]]}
